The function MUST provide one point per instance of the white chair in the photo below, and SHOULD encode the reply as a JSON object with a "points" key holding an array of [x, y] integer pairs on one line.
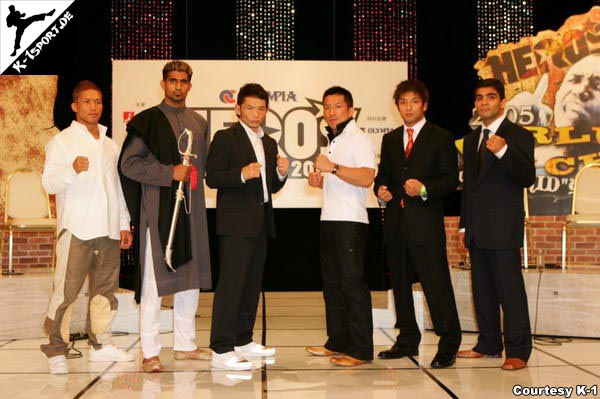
{"points": [[27, 208], [585, 211]]}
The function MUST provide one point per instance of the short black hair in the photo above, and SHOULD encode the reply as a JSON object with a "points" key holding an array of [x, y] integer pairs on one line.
{"points": [[414, 85], [177, 66], [252, 90], [493, 83], [84, 85], [333, 90]]}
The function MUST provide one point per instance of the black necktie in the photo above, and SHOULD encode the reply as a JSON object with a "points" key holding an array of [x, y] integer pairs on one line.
{"points": [[481, 152]]}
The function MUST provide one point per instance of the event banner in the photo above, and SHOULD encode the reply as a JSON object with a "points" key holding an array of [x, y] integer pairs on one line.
{"points": [[552, 85], [295, 117]]}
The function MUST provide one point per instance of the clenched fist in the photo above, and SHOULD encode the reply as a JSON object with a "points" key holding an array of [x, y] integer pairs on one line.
{"points": [[181, 172], [412, 187], [283, 165], [251, 171], [81, 164], [384, 194], [315, 179], [495, 143], [323, 163], [126, 239]]}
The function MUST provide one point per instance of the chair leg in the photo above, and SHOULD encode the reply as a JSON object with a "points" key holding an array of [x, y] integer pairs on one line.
{"points": [[564, 247], [53, 260], [10, 251], [2, 248], [10, 271]]}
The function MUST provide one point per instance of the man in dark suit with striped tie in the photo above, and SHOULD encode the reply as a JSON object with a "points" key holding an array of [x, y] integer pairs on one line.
{"points": [[418, 169]]}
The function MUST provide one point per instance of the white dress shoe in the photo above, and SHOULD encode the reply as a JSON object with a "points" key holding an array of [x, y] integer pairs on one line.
{"points": [[254, 349], [230, 379], [58, 365], [110, 353], [229, 361]]}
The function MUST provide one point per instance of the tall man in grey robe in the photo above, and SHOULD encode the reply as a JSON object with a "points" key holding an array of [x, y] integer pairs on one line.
{"points": [[152, 168]]}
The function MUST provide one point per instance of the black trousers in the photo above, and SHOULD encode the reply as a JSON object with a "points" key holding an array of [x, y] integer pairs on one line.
{"points": [[241, 267], [427, 264], [346, 293], [497, 281]]}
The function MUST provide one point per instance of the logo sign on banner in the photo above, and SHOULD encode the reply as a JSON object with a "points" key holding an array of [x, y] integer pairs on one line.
{"points": [[295, 118], [27, 27], [552, 86]]}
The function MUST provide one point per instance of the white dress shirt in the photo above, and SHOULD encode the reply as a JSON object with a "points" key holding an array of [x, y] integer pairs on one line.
{"points": [[259, 152], [89, 204]]}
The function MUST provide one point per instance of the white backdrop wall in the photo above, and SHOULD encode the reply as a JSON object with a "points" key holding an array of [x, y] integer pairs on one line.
{"points": [[295, 118]]}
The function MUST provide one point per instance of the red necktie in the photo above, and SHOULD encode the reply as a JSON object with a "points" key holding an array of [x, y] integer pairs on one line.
{"points": [[409, 144]]}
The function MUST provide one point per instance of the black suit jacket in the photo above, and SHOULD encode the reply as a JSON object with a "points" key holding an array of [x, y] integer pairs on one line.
{"points": [[492, 210], [433, 161], [240, 206]]}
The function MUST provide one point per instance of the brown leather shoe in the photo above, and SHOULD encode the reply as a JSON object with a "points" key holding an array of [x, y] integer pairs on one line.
{"points": [[320, 351], [196, 354], [152, 365], [347, 361], [471, 354], [513, 363]]}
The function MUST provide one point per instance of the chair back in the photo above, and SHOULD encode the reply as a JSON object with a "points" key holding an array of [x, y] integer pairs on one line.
{"points": [[586, 194], [25, 196]]}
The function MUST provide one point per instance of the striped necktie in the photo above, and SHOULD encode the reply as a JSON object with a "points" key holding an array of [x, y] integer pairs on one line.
{"points": [[409, 144]]}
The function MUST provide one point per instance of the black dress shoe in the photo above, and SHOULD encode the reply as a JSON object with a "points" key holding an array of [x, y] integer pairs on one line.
{"points": [[396, 352], [443, 360]]}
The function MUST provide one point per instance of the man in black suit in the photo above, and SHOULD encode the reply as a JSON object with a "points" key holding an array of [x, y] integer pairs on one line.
{"points": [[418, 169], [244, 166], [498, 164]]}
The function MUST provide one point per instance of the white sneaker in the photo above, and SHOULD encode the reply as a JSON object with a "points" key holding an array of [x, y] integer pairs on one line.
{"points": [[229, 361], [254, 349], [110, 353], [58, 365]]}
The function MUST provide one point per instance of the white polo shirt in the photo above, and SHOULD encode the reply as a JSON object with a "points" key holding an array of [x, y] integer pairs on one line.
{"points": [[89, 204], [343, 201]]}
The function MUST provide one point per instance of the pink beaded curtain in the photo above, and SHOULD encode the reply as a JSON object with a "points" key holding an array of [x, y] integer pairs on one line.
{"points": [[265, 29], [142, 29], [502, 21], [386, 30]]}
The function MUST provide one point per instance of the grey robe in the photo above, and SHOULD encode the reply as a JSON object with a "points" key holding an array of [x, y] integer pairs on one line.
{"points": [[139, 164]]}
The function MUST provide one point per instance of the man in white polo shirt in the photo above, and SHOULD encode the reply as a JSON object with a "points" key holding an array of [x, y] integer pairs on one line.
{"points": [[93, 223], [345, 174]]}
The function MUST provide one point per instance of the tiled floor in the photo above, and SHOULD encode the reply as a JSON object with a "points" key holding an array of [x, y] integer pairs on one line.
{"points": [[293, 321]]}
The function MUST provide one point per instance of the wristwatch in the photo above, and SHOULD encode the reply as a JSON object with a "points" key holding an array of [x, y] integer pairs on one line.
{"points": [[335, 168], [423, 192]]}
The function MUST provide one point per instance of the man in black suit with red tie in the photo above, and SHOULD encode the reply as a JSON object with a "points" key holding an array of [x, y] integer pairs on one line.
{"points": [[243, 165], [418, 169], [498, 164]]}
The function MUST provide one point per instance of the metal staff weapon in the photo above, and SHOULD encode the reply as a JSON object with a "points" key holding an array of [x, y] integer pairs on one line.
{"points": [[179, 195]]}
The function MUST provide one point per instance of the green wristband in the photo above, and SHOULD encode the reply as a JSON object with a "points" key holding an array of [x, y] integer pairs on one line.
{"points": [[423, 192]]}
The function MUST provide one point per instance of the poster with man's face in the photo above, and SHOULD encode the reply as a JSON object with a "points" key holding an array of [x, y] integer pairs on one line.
{"points": [[552, 86]]}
